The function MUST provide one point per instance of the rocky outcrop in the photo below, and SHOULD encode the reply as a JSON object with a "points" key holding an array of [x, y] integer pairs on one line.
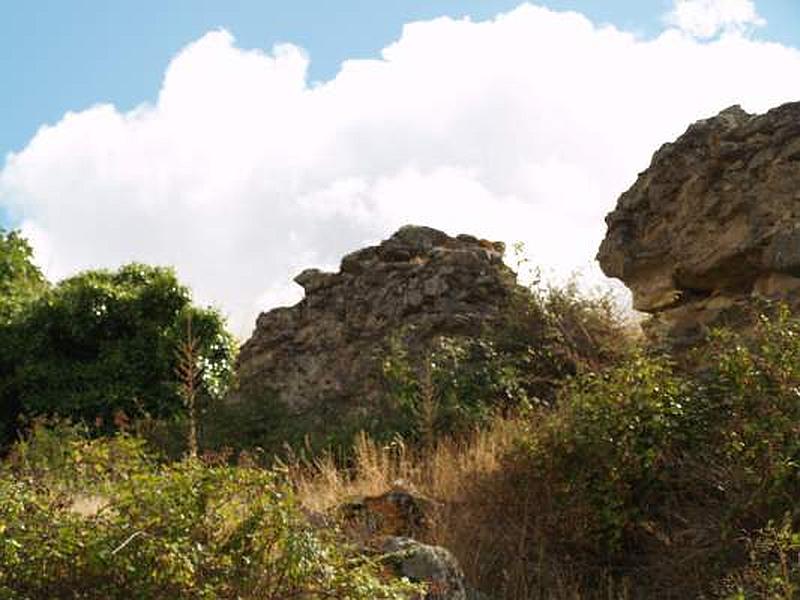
{"points": [[322, 357], [712, 224]]}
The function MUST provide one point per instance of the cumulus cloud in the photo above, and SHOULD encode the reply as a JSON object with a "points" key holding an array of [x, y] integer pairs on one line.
{"points": [[708, 18], [242, 173]]}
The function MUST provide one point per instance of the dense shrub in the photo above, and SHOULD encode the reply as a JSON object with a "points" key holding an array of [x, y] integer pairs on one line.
{"points": [[772, 569], [651, 480], [103, 343], [461, 384], [185, 530], [545, 336], [560, 331]]}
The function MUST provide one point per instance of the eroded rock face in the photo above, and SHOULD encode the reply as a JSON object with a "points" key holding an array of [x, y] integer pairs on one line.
{"points": [[324, 353], [713, 223]]}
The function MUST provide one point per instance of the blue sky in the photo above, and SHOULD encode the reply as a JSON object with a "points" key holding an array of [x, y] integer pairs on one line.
{"points": [[524, 126], [57, 56]]}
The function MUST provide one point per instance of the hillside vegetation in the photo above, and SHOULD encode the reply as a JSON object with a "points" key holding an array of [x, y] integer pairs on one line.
{"points": [[584, 465], [644, 481]]}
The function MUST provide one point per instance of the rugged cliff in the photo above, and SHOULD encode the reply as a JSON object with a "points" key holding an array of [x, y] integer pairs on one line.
{"points": [[712, 224], [322, 357]]}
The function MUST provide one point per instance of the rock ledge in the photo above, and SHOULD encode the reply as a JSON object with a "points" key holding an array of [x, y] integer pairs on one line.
{"points": [[713, 223]]}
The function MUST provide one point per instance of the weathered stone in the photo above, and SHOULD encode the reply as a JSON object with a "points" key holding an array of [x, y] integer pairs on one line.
{"points": [[390, 524], [713, 223], [433, 565], [312, 280], [398, 512], [322, 357]]}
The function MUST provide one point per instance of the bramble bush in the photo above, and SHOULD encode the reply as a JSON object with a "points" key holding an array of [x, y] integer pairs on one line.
{"points": [[183, 530]]}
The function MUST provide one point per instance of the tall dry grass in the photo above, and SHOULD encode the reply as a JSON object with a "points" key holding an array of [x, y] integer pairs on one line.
{"points": [[441, 471], [480, 515]]}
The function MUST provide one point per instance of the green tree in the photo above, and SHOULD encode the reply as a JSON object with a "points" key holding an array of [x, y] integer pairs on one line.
{"points": [[20, 279], [21, 282], [102, 342]]}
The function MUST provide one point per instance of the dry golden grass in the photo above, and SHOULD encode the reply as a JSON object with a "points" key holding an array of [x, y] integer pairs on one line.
{"points": [[442, 472], [474, 517]]}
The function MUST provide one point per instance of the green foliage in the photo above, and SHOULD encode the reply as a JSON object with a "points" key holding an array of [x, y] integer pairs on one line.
{"points": [[60, 456], [754, 385], [773, 569], [461, 384], [261, 422], [21, 281], [559, 331], [264, 424], [103, 342], [545, 336], [642, 465], [611, 443], [185, 530], [619, 430]]}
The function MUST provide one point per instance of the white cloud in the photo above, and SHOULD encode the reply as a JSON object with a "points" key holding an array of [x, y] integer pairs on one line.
{"points": [[525, 127], [707, 18]]}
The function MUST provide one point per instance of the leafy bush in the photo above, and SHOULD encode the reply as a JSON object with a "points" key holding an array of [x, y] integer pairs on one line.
{"points": [[102, 342], [612, 443], [461, 384], [545, 336], [62, 457], [185, 530], [21, 282], [652, 479]]}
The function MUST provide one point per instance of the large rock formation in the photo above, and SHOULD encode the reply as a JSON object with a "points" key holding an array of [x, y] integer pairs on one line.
{"points": [[713, 223], [322, 357]]}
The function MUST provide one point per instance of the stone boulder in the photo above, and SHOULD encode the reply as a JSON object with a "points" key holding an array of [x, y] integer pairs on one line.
{"points": [[398, 512], [712, 224], [390, 524], [433, 565], [321, 360]]}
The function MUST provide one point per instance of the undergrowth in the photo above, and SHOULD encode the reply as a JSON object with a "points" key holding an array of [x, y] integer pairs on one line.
{"points": [[100, 519], [640, 479], [643, 481]]}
